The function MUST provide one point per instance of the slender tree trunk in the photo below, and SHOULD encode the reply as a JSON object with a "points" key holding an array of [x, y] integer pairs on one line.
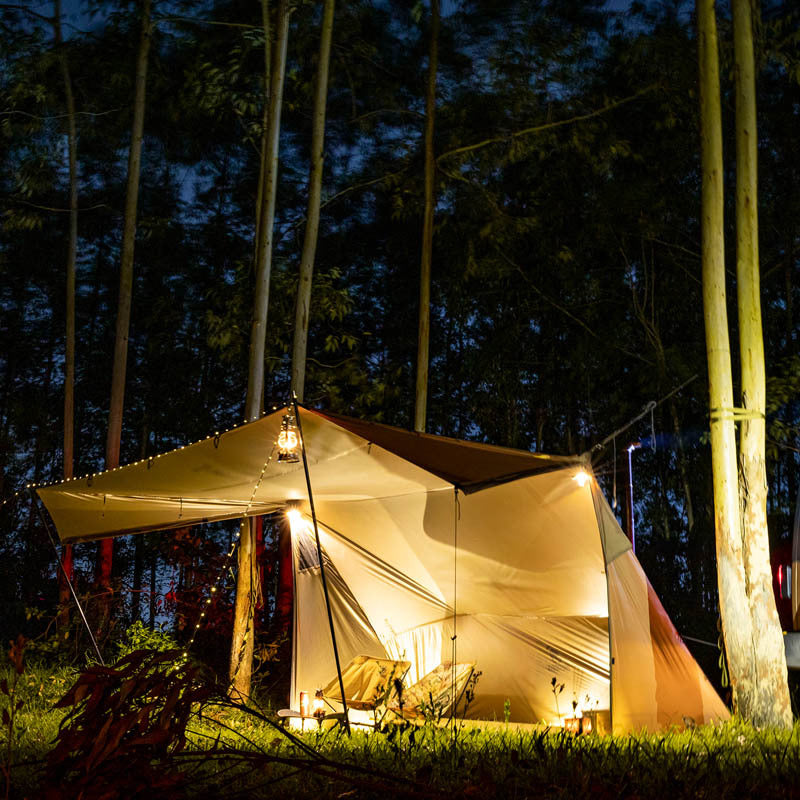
{"points": [[314, 198], [126, 281], [734, 606], [770, 704], [262, 167], [258, 327], [423, 342], [69, 345], [247, 586]]}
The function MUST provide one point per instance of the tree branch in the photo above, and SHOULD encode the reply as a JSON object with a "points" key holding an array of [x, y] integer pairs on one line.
{"points": [[59, 210], [469, 148], [565, 311], [59, 116]]}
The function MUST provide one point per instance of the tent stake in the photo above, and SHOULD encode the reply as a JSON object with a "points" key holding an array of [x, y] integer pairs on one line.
{"points": [[321, 561], [66, 577]]}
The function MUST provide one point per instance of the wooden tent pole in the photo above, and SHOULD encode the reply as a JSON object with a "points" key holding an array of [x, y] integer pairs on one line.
{"points": [[321, 561]]}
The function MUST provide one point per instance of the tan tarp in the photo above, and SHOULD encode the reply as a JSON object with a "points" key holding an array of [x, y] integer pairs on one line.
{"points": [[435, 551]]}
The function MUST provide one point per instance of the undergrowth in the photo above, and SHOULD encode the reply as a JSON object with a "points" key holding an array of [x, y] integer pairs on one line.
{"points": [[177, 736]]}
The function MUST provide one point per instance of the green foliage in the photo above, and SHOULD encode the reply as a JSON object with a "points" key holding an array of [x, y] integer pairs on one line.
{"points": [[174, 727], [140, 637], [11, 705]]}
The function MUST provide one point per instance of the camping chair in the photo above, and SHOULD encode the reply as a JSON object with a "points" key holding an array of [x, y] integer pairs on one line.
{"points": [[369, 683], [435, 695]]}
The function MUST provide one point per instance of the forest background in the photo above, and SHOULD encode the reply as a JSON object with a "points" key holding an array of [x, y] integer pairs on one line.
{"points": [[566, 260]]}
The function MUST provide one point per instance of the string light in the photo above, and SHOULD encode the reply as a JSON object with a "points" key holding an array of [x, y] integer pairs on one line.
{"points": [[291, 440], [236, 537]]}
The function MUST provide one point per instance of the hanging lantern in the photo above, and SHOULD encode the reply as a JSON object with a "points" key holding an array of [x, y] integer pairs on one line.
{"points": [[288, 441]]}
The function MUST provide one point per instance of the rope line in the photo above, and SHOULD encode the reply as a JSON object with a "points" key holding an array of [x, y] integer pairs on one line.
{"points": [[735, 414], [454, 637]]}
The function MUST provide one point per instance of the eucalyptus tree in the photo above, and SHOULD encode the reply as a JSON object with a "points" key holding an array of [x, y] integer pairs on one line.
{"points": [[768, 703], [247, 585], [72, 251], [426, 258], [114, 437], [303, 301]]}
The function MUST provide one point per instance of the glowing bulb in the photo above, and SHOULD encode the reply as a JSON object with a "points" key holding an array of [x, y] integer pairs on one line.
{"points": [[288, 441], [582, 477], [294, 516]]}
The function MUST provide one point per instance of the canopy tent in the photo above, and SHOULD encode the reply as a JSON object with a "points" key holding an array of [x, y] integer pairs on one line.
{"points": [[436, 550]]}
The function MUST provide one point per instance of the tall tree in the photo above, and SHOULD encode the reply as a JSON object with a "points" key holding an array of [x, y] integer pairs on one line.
{"points": [[114, 437], [247, 586], [314, 198], [72, 250], [770, 703], [737, 623], [423, 343]]}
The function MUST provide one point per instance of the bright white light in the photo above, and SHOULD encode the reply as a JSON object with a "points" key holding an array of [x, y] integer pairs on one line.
{"points": [[294, 516], [287, 440], [582, 477]]}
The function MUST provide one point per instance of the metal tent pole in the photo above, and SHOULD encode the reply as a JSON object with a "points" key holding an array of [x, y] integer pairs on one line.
{"points": [[321, 561], [46, 526]]}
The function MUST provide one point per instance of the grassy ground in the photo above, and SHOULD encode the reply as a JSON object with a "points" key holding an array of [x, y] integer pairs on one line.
{"points": [[232, 754]]}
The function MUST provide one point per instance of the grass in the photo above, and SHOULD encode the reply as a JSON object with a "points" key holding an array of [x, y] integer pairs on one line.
{"points": [[253, 759]]}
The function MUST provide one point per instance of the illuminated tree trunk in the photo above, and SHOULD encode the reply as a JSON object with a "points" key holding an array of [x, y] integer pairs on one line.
{"points": [[734, 606], [314, 198], [770, 704], [247, 587], [126, 281], [423, 342], [69, 344]]}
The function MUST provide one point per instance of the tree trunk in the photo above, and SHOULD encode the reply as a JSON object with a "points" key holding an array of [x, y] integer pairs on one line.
{"points": [[734, 606], [423, 343], [262, 167], [314, 198], [247, 587], [258, 327], [69, 345], [126, 281], [769, 704]]}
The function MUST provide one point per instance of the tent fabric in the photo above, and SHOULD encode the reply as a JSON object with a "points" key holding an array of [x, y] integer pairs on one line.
{"points": [[435, 551], [469, 465]]}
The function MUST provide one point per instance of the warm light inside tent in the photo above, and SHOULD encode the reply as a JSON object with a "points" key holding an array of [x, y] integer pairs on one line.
{"points": [[288, 441], [582, 477], [294, 516]]}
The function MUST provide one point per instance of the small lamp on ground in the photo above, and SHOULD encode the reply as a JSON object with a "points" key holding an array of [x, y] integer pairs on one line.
{"points": [[318, 705]]}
